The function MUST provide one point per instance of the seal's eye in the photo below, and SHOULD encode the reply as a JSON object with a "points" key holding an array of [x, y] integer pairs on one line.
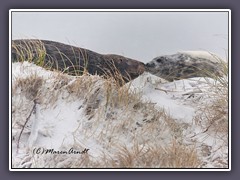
{"points": [[161, 59]]}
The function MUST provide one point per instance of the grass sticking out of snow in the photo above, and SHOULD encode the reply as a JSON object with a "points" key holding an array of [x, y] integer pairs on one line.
{"points": [[213, 115], [142, 124], [85, 111], [154, 157]]}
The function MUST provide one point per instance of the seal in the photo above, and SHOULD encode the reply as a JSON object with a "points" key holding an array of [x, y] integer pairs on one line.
{"points": [[75, 60], [187, 64]]}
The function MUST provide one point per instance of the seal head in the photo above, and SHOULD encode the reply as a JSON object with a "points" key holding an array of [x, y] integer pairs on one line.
{"points": [[183, 65]]}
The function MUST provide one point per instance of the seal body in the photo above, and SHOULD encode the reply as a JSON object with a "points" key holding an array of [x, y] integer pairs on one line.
{"points": [[75, 60], [185, 65]]}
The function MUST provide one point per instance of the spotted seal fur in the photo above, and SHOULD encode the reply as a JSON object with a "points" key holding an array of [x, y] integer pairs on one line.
{"points": [[185, 65], [75, 60]]}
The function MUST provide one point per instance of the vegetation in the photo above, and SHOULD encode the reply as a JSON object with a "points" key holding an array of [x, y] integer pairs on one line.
{"points": [[113, 113]]}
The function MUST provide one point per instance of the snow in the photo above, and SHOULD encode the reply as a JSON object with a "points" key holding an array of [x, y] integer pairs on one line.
{"points": [[170, 94], [66, 117], [203, 54]]}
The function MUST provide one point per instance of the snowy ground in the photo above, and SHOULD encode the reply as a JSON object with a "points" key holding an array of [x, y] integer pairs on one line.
{"points": [[105, 124]]}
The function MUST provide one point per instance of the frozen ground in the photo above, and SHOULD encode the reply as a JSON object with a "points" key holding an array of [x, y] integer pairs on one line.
{"points": [[105, 123]]}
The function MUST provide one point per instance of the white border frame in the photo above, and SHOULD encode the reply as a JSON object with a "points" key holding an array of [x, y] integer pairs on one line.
{"points": [[118, 10]]}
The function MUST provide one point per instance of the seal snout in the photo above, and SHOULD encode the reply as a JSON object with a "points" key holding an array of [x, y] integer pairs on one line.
{"points": [[150, 65]]}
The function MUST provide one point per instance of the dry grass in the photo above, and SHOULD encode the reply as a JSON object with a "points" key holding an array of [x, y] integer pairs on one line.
{"points": [[30, 86], [213, 115], [172, 156], [31, 51], [113, 114], [139, 121], [137, 156]]}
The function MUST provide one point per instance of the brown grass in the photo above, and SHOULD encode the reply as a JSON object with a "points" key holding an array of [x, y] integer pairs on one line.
{"points": [[213, 115], [30, 86], [106, 103], [156, 138]]}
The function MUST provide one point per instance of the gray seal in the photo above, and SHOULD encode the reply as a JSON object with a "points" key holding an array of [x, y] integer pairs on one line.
{"points": [[75, 60], [184, 65]]}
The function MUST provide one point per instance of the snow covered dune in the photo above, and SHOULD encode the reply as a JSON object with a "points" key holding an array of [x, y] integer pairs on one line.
{"points": [[62, 121]]}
